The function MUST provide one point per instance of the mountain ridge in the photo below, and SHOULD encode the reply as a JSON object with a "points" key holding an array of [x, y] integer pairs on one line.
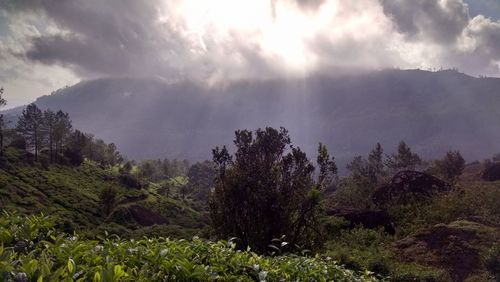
{"points": [[432, 111]]}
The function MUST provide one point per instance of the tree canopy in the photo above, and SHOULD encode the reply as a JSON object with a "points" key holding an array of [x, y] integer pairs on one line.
{"points": [[267, 189]]}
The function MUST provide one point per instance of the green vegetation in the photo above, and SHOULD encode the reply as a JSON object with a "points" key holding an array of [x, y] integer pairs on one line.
{"points": [[268, 190], [72, 194], [392, 217], [32, 250]]}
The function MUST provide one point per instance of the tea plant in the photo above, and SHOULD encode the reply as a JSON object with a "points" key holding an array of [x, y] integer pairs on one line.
{"points": [[31, 250]]}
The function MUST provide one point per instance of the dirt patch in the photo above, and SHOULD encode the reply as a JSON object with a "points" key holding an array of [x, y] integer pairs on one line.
{"points": [[455, 247], [146, 217]]}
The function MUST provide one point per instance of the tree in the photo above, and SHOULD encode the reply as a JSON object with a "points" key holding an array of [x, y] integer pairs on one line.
{"points": [[201, 178], [327, 167], [30, 126], [49, 124], [61, 131], [376, 163], [267, 190], [77, 141], [405, 159], [3, 102], [451, 166]]}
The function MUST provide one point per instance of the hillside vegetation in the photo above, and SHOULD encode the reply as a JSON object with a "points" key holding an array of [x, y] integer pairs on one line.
{"points": [[71, 194], [32, 250]]}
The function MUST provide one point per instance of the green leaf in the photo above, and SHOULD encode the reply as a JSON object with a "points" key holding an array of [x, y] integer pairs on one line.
{"points": [[97, 277], [71, 266]]}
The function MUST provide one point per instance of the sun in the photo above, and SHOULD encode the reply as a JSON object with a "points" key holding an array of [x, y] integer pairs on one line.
{"points": [[279, 30]]}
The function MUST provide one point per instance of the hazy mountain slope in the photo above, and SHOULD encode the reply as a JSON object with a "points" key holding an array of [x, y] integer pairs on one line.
{"points": [[433, 112]]}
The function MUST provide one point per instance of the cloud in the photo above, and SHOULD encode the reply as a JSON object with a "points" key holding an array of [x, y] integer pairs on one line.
{"points": [[440, 21], [222, 40]]}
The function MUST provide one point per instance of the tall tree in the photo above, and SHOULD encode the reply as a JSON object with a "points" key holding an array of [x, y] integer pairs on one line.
{"points": [[266, 190], [201, 179], [450, 167], [30, 125], [61, 132], [3, 102], [49, 124], [376, 163], [404, 159], [327, 167]]}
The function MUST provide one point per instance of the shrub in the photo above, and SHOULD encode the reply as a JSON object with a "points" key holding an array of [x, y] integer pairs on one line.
{"points": [[130, 181], [60, 257]]}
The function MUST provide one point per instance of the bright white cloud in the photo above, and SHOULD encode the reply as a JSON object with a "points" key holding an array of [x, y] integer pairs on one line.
{"points": [[52, 44]]}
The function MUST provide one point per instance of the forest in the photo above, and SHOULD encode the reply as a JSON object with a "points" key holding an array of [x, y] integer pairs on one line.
{"points": [[75, 209]]}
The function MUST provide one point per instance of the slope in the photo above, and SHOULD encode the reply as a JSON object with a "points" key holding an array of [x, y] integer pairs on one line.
{"points": [[71, 195]]}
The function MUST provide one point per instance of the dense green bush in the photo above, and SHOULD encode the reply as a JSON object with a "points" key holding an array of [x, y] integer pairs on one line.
{"points": [[48, 256]]}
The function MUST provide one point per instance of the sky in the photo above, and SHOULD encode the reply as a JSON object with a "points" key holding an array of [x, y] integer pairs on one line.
{"points": [[49, 44]]}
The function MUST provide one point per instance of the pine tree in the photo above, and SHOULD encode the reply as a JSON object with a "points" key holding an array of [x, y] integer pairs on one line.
{"points": [[49, 123], [30, 126], [376, 163], [405, 159], [62, 130]]}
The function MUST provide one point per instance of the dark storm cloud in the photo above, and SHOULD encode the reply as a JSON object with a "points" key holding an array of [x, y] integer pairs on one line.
{"points": [[138, 38], [104, 37], [439, 21]]}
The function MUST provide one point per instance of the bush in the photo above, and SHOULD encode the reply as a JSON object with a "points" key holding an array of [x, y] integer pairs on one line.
{"points": [[69, 258], [131, 181]]}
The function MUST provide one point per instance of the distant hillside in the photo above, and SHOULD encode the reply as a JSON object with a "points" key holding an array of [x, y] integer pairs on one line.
{"points": [[432, 111], [71, 194]]}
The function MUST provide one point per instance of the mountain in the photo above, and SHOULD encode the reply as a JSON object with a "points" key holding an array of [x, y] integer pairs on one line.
{"points": [[432, 111]]}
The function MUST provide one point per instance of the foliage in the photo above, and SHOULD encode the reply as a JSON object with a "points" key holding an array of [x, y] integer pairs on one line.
{"points": [[201, 179], [49, 256], [450, 167], [71, 194], [405, 159], [30, 125], [267, 191]]}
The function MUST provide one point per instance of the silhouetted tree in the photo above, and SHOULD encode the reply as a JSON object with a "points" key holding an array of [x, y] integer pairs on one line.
{"points": [[61, 131], [267, 191], [49, 124], [404, 159], [327, 167], [30, 126], [450, 167]]}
